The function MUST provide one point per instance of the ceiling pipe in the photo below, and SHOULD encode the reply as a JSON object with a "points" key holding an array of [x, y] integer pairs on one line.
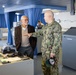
{"points": [[72, 7]]}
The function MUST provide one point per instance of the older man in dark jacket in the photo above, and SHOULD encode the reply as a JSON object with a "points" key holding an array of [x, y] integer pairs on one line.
{"points": [[25, 45]]}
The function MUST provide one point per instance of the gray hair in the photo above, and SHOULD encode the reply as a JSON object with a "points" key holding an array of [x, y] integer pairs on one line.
{"points": [[23, 16], [48, 11]]}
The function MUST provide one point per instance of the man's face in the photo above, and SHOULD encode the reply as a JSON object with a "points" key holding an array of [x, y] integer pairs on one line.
{"points": [[39, 23], [47, 17], [24, 21]]}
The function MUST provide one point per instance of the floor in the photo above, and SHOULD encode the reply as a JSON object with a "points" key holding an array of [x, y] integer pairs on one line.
{"points": [[38, 69], [37, 64]]}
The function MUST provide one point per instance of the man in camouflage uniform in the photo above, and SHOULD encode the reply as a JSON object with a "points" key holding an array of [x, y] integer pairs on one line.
{"points": [[51, 42]]}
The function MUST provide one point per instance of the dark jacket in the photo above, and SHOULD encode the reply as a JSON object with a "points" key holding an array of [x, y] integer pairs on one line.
{"points": [[18, 37]]}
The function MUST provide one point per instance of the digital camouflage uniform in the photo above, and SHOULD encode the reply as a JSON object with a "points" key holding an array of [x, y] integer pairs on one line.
{"points": [[51, 42]]}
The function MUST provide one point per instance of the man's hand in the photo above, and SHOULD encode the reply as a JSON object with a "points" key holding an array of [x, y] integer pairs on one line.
{"points": [[52, 55], [28, 34]]}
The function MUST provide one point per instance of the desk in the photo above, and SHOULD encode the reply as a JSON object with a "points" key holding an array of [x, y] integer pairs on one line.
{"points": [[25, 67]]}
